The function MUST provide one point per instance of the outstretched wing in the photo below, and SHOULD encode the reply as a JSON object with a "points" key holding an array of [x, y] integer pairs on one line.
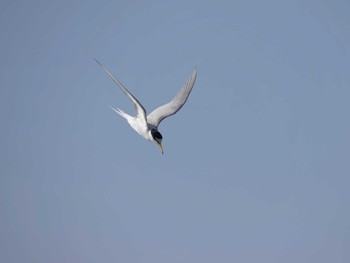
{"points": [[139, 109], [170, 108]]}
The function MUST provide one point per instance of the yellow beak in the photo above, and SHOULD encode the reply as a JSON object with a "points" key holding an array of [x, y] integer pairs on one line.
{"points": [[160, 147]]}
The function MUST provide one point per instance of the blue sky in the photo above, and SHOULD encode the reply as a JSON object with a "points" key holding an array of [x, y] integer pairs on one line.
{"points": [[256, 165]]}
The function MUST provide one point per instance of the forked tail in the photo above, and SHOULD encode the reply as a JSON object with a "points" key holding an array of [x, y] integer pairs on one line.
{"points": [[120, 112]]}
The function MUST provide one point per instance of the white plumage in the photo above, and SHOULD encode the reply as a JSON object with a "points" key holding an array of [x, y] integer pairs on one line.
{"points": [[147, 126]]}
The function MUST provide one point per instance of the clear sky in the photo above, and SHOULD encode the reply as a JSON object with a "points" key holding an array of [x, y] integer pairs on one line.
{"points": [[256, 165]]}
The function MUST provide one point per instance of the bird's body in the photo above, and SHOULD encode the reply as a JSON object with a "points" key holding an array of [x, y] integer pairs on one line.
{"points": [[141, 127], [147, 126]]}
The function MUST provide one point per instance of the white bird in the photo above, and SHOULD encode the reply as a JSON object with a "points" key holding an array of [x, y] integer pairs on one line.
{"points": [[147, 125]]}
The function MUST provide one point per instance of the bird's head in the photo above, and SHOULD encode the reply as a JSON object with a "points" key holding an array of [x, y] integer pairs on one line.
{"points": [[157, 137]]}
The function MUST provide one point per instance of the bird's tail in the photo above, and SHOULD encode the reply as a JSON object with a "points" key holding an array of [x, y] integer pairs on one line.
{"points": [[120, 112]]}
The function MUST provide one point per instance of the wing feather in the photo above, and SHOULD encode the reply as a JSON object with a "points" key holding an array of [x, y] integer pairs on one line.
{"points": [[139, 109], [172, 107]]}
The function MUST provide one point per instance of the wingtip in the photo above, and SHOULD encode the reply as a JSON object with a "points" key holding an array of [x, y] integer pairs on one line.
{"points": [[194, 73], [195, 70], [98, 62]]}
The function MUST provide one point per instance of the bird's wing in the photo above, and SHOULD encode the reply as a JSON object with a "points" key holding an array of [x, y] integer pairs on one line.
{"points": [[170, 108], [139, 109]]}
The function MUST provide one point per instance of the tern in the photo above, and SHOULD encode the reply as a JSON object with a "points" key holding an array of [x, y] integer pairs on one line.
{"points": [[147, 125]]}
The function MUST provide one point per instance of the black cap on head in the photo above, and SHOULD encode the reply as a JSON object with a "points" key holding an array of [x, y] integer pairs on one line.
{"points": [[156, 135]]}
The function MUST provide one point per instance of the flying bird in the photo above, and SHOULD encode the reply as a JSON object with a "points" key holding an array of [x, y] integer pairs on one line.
{"points": [[147, 125]]}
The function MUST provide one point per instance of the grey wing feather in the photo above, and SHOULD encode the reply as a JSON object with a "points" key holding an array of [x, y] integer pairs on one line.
{"points": [[170, 108], [140, 110]]}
